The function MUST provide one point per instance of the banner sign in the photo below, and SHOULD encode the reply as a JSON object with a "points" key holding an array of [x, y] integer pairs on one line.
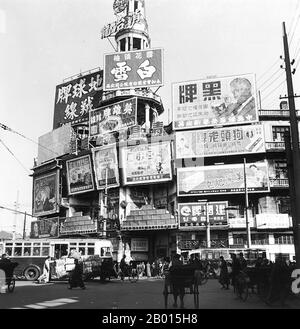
{"points": [[264, 221], [45, 228], [139, 244], [147, 163], [113, 117], [221, 141], [133, 69], [194, 214], [221, 179], [106, 166], [76, 98], [80, 175], [46, 194], [218, 101]]}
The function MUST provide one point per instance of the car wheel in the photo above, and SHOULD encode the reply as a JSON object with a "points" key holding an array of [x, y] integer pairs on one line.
{"points": [[31, 273]]}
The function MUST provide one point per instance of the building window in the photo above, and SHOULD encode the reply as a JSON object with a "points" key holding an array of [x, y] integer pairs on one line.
{"points": [[260, 239], [281, 170], [136, 4], [122, 44], [239, 239], [136, 43], [283, 238], [278, 133]]}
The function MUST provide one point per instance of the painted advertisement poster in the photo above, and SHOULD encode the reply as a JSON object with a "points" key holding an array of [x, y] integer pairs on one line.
{"points": [[106, 166], [221, 179], [194, 214], [80, 175], [46, 194], [147, 163], [45, 228], [216, 101], [76, 98], [221, 141], [133, 69], [113, 117]]}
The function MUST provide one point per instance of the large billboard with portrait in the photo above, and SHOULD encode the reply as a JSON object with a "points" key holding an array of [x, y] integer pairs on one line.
{"points": [[114, 117], [220, 179], [45, 228], [76, 98], [106, 166], [147, 163], [194, 214], [220, 141], [80, 175], [216, 101], [133, 69], [46, 194]]}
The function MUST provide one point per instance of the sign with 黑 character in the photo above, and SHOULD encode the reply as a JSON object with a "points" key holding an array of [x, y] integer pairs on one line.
{"points": [[215, 101], [133, 69], [195, 214]]}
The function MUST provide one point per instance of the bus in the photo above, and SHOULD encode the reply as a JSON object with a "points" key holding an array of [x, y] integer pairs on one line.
{"points": [[31, 254], [214, 254]]}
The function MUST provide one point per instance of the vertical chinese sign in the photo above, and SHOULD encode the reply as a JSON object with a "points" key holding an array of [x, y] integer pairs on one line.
{"points": [[76, 98], [218, 101], [133, 69]]}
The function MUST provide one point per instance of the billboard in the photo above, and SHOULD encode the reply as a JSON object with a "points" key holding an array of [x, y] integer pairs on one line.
{"points": [[55, 143], [46, 194], [216, 101], [106, 166], [220, 141], [115, 117], [266, 221], [147, 163], [74, 99], [80, 175], [45, 228], [221, 179], [194, 214], [133, 69]]}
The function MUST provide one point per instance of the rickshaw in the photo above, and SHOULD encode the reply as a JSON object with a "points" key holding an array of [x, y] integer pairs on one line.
{"points": [[8, 268]]}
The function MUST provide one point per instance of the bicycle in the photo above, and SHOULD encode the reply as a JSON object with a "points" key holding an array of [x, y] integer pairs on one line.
{"points": [[131, 273]]}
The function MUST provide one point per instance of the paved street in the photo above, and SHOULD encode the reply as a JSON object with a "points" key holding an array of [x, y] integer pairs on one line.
{"points": [[145, 294]]}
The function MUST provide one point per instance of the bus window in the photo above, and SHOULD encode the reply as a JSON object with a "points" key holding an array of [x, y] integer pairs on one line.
{"points": [[81, 248], [8, 249], [91, 249], [27, 249], [45, 250], [105, 252], [18, 249], [36, 249]]}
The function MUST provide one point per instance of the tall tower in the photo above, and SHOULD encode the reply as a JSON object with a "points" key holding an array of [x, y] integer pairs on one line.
{"points": [[135, 37]]}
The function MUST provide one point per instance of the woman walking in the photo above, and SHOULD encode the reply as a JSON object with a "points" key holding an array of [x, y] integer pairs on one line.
{"points": [[224, 277]]}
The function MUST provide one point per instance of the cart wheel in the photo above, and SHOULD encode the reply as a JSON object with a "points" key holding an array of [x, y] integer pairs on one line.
{"points": [[11, 285]]}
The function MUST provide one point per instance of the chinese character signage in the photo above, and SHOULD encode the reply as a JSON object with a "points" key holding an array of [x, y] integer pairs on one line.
{"points": [[113, 117], [221, 179], [267, 220], [220, 141], [76, 98], [139, 244], [79, 175], [211, 102], [106, 166], [194, 214], [45, 228], [133, 69], [46, 194], [147, 163]]}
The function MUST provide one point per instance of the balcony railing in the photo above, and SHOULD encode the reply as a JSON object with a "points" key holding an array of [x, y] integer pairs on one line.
{"points": [[277, 146], [277, 113], [279, 182]]}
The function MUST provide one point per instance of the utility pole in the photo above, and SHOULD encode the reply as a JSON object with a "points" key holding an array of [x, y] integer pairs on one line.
{"points": [[246, 208], [295, 188], [207, 226], [24, 226]]}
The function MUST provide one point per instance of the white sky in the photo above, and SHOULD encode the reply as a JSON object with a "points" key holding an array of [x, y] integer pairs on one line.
{"points": [[44, 41]]}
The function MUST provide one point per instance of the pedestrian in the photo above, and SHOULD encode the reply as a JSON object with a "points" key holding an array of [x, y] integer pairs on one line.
{"points": [[75, 278], [243, 262], [45, 276], [236, 267], [224, 277], [143, 267], [123, 267], [148, 270]]}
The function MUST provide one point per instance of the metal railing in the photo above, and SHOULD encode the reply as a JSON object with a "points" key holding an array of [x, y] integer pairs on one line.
{"points": [[279, 182], [277, 113]]}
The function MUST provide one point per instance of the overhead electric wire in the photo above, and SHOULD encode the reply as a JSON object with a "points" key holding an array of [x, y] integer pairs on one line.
{"points": [[260, 86], [272, 91], [271, 83], [13, 210], [1, 141], [267, 71]]}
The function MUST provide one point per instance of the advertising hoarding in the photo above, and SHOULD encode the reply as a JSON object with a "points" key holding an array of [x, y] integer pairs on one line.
{"points": [[113, 117], [46, 194], [45, 228], [220, 141], [216, 101], [80, 175], [74, 99], [139, 244], [264, 221], [133, 69], [221, 179], [194, 214], [147, 163], [106, 166]]}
